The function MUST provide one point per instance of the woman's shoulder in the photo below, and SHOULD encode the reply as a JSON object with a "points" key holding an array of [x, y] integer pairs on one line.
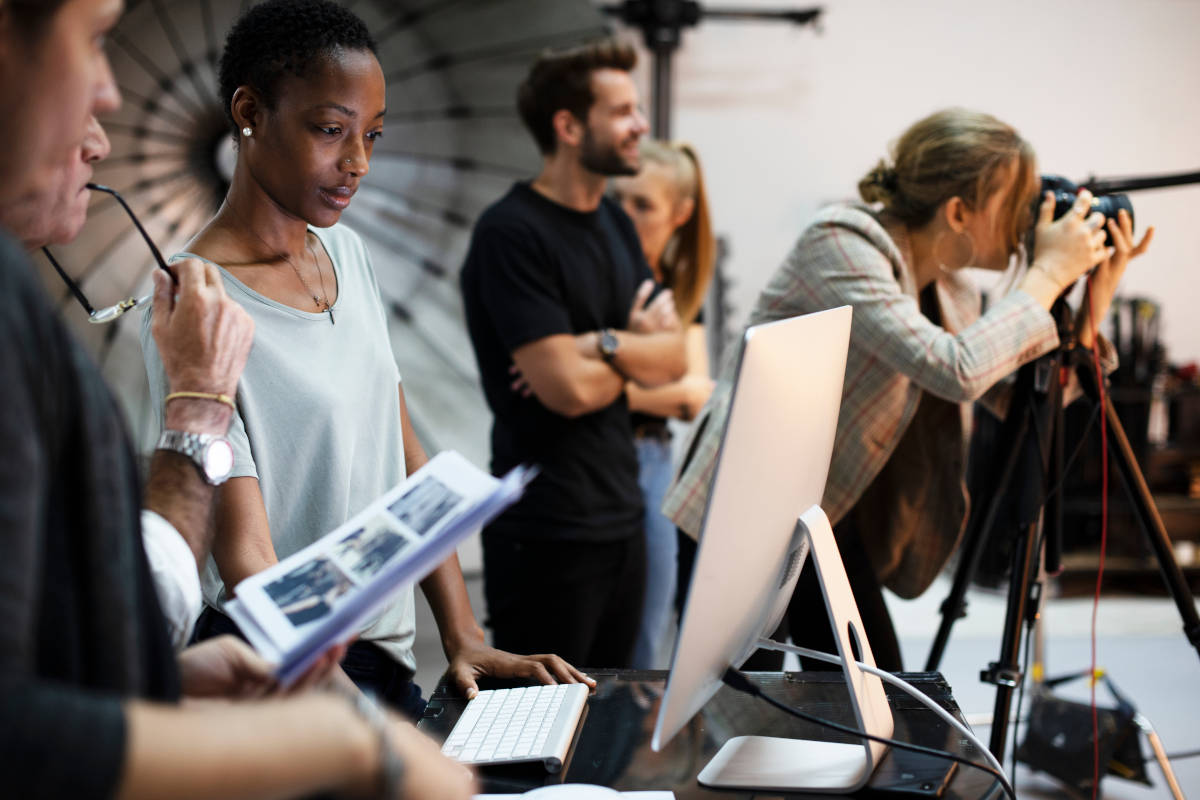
{"points": [[857, 217], [849, 227]]}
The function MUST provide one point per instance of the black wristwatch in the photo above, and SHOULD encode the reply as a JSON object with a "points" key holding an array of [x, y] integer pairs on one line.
{"points": [[607, 344], [212, 455]]}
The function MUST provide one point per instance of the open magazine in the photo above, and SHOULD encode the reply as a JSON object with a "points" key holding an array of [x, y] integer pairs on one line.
{"points": [[321, 595]]}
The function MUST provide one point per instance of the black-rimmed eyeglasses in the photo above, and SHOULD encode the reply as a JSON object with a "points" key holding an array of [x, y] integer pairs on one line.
{"points": [[112, 312]]}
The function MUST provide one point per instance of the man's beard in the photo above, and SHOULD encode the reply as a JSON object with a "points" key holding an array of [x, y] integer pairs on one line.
{"points": [[604, 159]]}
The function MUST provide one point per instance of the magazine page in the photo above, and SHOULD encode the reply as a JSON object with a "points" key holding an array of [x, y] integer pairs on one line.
{"points": [[293, 611]]}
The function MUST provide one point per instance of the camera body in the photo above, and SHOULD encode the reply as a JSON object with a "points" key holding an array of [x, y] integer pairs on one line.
{"points": [[1064, 198]]}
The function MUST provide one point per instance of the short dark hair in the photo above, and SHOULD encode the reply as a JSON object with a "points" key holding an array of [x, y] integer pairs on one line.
{"points": [[31, 16], [563, 80], [285, 37]]}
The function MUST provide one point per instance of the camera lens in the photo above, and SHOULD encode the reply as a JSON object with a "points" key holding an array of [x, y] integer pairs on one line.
{"points": [[1064, 199], [1106, 204]]}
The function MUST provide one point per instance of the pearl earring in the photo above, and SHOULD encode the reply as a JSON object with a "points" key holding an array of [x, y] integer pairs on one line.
{"points": [[247, 131]]}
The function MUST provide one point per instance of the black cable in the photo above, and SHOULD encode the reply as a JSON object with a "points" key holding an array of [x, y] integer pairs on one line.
{"points": [[1174, 756], [1083, 439], [737, 680], [1079, 445]]}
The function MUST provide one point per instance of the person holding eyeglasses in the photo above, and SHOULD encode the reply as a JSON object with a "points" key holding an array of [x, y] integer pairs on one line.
{"points": [[55, 213], [90, 686]]}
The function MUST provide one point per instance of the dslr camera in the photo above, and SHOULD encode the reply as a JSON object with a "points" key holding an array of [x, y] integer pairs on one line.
{"points": [[1064, 198]]}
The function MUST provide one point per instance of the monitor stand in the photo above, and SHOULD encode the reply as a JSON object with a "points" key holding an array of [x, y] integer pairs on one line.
{"points": [[767, 763]]}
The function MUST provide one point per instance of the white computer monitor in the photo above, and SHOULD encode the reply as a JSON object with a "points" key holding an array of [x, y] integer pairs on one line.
{"points": [[771, 470]]}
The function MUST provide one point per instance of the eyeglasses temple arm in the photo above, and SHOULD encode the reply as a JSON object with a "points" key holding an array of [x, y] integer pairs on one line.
{"points": [[96, 187], [75, 290]]}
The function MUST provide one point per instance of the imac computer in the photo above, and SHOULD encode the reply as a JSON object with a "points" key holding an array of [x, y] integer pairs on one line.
{"points": [[763, 518]]}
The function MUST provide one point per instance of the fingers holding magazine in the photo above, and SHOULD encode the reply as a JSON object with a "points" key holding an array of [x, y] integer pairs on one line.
{"points": [[227, 668], [324, 671], [328, 591]]}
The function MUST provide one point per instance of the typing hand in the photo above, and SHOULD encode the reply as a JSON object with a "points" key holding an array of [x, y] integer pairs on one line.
{"points": [[476, 660]]}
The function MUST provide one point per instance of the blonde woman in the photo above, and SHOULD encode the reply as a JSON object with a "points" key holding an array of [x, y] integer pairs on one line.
{"points": [[669, 208], [957, 192]]}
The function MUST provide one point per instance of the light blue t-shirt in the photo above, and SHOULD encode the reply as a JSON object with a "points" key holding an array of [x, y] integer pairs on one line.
{"points": [[318, 416]]}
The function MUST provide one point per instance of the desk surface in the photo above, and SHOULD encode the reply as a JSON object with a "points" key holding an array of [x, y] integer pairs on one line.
{"points": [[612, 747]]}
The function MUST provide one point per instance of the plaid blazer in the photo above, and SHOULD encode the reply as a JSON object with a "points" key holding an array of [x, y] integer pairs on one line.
{"points": [[900, 449]]}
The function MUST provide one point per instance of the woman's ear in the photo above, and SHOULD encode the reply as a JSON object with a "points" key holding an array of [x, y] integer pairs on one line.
{"points": [[246, 108], [956, 214], [682, 211]]}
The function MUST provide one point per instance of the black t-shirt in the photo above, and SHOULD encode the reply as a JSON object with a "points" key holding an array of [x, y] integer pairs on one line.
{"points": [[80, 625], [536, 269]]}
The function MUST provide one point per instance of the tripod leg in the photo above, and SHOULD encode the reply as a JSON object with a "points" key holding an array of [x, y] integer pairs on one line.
{"points": [[1152, 526], [975, 538], [1006, 673], [1160, 755], [954, 607]]}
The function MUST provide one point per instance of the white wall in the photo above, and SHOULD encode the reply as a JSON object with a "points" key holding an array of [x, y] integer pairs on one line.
{"points": [[787, 118]]}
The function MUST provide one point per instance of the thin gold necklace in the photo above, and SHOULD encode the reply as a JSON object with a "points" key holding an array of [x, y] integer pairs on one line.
{"points": [[322, 303]]}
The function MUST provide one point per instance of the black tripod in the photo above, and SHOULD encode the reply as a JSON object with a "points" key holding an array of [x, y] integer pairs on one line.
{"points": [[1033, 431]]}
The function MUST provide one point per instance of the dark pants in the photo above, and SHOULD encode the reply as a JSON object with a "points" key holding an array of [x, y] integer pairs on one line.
{"points": [[579, 600], [759, 660], [372, 670], [807, 622]]}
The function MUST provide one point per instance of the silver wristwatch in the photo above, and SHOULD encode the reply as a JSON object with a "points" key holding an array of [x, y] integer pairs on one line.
{"points": [[213, 455]]}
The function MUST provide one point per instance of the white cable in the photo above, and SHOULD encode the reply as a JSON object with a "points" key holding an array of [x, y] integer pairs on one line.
{"points": [[917, 694]]}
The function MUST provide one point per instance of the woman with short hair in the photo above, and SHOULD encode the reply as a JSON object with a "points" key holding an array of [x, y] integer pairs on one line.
{"points": [[90, 688]]}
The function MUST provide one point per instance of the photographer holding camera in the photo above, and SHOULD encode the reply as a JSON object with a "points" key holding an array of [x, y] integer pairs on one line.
{"points": [[961, 191]]}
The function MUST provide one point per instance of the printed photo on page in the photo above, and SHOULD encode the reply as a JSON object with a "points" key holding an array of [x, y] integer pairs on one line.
{"points": [[424, 505], [334, 586]]}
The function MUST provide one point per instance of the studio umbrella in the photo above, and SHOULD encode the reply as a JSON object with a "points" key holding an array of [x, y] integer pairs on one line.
{"points": [[452, 145]]}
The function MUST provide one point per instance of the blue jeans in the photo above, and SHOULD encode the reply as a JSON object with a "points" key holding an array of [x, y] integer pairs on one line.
{"points": [[654, 475]]}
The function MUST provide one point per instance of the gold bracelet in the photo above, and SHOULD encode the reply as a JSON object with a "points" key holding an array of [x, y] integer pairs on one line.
{"points": [[220, 398]]}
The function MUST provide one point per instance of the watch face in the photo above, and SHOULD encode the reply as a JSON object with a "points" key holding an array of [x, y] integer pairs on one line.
{"points": [[608, 343], [218, 459]]}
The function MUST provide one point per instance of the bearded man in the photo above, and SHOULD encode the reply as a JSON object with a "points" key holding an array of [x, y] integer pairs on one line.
{"points": [[558, 302]]}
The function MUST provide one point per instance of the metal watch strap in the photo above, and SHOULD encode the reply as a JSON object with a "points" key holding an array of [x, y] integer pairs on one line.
{"points": [[191, 445]]}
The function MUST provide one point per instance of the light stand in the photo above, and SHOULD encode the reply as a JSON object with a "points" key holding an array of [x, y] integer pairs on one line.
{"points": [[662, 23]]}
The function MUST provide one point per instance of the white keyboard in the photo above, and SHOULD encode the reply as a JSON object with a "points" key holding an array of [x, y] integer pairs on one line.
{"points": [[508, 726]]}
